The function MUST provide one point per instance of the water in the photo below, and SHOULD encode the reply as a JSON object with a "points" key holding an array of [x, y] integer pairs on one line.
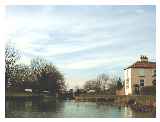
{"points": [[70, 108]]}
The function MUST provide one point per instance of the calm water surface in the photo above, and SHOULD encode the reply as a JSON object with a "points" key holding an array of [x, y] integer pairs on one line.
{"points": [[22, 108]]}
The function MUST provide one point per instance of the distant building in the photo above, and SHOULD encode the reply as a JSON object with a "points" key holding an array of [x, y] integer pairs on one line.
{"points": [[140, 74]]}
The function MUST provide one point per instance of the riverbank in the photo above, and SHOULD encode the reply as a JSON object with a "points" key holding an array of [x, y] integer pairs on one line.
{"points": [[22, 96], [13, 95], [137, 103], [144, 103]]}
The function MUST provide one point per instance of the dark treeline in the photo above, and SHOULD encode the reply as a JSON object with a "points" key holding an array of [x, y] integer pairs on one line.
{"points": [[39, 76]]}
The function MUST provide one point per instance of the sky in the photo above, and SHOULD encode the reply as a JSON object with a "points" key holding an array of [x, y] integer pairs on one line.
{"points": [[83, 41]]}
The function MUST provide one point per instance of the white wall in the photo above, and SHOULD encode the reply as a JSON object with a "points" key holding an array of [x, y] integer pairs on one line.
{"points": [[127, 76]]}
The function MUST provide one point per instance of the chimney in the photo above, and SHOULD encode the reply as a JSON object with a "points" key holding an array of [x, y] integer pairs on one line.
{"points": [[144, 58]]}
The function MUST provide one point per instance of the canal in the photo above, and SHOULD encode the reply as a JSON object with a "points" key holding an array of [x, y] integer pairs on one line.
{"points": [[67, 109]]}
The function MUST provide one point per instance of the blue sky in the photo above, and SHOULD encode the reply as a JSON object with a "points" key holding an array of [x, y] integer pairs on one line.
{"points": [[83, 41]]}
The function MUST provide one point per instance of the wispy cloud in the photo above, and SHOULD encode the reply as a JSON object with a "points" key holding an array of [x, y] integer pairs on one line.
{"points": [[93, 63], [83, 41]]}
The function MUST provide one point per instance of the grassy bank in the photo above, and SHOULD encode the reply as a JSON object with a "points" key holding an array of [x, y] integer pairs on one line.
{"points": [[12, 94], [143, 99], [18, 94], [22, 95]]}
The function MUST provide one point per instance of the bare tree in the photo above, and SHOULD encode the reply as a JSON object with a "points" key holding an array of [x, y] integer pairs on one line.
{"points": [[103, 81], [47, 76], [90, 85], [102, 84], [11, 57]]}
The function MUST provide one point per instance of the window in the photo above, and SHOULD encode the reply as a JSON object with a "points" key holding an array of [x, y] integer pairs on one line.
{"points": [[154, 73], [127, 83], [141, 82], [141, 72]]}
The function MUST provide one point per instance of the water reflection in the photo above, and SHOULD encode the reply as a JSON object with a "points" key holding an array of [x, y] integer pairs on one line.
{"points": [[128, 112], [52, 108]]}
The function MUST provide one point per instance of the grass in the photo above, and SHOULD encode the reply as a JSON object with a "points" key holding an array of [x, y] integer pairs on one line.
{"points": [[18, 94]]}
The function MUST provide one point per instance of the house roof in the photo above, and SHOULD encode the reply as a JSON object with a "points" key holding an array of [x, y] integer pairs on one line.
{"points": [[143, 64]]}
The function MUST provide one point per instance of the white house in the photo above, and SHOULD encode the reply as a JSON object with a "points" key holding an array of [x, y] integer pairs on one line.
{"points": [[140, 74]]}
